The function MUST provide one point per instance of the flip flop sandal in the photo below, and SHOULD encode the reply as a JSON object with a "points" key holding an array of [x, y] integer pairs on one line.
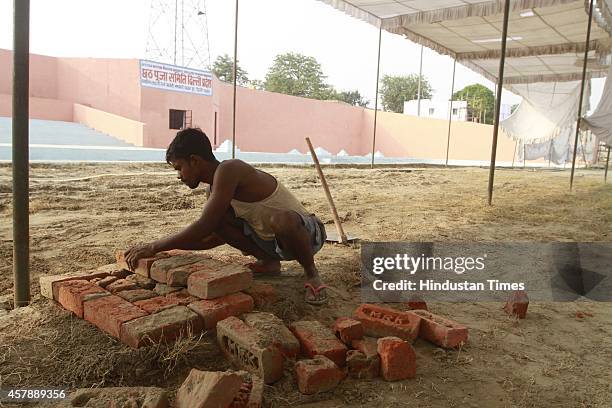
{"points": [[260, 270], [315, 292]]}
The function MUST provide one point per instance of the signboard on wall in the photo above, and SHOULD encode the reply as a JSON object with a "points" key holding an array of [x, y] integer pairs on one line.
{"points": [[173, 78]]}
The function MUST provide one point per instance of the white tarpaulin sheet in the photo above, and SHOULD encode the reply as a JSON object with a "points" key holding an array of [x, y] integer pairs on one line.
{"points": [[547, 110], [600, 122]]}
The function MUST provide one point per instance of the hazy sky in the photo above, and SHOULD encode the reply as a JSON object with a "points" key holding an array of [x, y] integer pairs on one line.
{"points": [[345, 47]]}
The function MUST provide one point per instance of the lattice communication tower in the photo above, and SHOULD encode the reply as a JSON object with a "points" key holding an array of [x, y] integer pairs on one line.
{"points": [[178, 33]]}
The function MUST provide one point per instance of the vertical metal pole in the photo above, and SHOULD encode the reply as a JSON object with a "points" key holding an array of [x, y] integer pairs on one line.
{"points": [[175, 26], [607, 163], [21, 220], [235, 70], [376, 96], [500, 83], [450, 112], [183, 33], [419, 86], [524, 155], [584, 65]]}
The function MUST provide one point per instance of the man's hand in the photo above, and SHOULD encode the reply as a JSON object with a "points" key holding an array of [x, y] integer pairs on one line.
{"points": [[137, 252]]}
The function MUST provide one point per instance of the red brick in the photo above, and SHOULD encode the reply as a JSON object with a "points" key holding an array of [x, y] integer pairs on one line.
{"points": [[110, 312], [121, 285], [381, 322], [397, 359], [211, 284], [417, 304], [249, 349], [182, 297], [316, 339], [347, 329], [319, 374], [441, 331], [156, 304], [159, 268], [179, 275], [48, 283], [165, 326], [250, 394], [517, 304], [135, 295], [107, 281], [280, 336], [72, 294], [263, 294], [215, 310], [206, 389], [360, 366], [143, 266]]}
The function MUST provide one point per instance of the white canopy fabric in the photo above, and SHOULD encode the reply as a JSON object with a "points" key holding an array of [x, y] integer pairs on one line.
{"points": [[547, 110], [600, 122], [546, 38]]}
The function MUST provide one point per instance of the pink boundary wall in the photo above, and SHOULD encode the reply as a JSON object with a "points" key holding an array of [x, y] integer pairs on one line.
{"points": [[106, 94]]}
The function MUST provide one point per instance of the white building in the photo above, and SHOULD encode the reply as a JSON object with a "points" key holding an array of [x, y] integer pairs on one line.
{"points": [[438, 109]]}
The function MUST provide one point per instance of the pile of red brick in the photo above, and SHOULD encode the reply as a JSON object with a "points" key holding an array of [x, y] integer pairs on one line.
{"points": [[174, 294]]}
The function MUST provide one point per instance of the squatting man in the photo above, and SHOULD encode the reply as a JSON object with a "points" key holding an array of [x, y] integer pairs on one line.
{"points": [[247, 209]]}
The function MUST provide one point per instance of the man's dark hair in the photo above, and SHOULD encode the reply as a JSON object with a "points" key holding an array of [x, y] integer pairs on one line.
{"points": [[187, 142]]}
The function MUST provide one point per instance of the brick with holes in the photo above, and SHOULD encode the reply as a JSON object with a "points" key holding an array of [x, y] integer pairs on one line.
{"points": [[249, 349], [441, 331], [380, 321]]}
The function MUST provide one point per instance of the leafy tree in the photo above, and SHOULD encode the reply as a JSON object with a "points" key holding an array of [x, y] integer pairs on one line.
{"points": [[481, 102], [223, 68], [298, 75], [351, 97], [397, 89], [257, 84]]}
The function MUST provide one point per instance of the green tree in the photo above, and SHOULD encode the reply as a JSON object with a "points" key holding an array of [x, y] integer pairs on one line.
{"points": [[352, 98], [395, 90], [298, 75], [223, 68], [481, 102]]}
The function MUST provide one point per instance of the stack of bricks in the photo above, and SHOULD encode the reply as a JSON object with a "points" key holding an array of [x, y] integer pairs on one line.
{"points": [[174, 294]]}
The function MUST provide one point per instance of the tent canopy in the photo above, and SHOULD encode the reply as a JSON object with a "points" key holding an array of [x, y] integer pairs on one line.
{"points": [[545, 37]]}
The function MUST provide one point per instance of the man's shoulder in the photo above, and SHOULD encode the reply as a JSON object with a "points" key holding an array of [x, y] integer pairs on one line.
{"points": [[234, 169]]}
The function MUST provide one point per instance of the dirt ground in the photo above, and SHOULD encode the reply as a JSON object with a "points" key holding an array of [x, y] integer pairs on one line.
{"points": [[81, 213]]}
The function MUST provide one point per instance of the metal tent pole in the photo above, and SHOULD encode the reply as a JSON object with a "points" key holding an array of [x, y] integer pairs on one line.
{"points": [[234, 70], [450, 112], [524, 155], [500, 82], [376, 96], [21, 220], [607, 163], [419, 84], [550, 148], [584, 66]]}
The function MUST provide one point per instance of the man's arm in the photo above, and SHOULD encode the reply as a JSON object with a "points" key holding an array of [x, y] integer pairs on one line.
{"points": [[225, 182]]}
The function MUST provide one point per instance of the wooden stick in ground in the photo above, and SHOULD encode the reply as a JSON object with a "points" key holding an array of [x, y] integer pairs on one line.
{"points": [[341, 234]]}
